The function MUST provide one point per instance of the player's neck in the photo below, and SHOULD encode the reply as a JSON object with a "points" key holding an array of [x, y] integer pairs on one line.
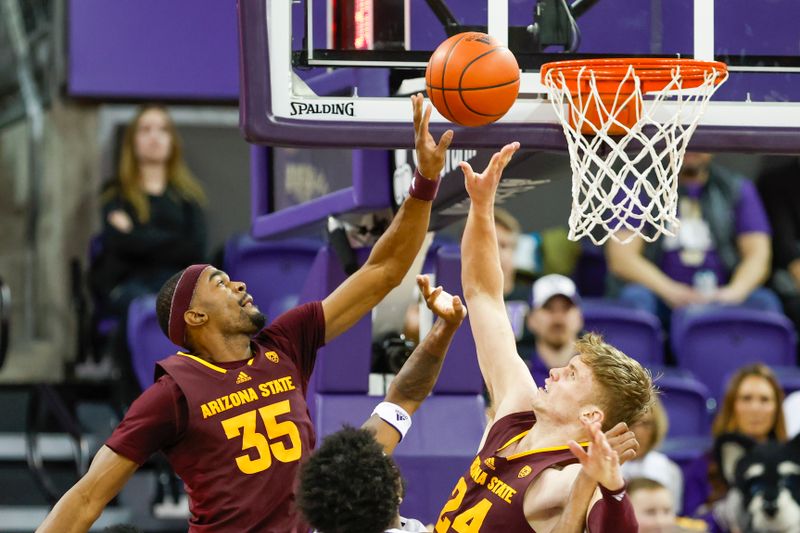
{"points": [[223, 349], [547, 433]]}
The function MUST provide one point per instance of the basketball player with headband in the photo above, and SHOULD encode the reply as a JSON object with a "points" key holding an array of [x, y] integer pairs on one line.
{"points": [[230, 411], [530, 471]]}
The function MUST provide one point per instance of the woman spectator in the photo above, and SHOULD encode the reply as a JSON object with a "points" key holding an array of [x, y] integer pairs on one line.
{"points": [[751, 406], [650, 431], [153, 221]]}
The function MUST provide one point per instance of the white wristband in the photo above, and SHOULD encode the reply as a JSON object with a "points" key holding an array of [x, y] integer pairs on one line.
{"points": [[395, 416]]}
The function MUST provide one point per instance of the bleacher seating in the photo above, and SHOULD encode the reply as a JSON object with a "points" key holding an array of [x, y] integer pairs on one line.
{"points": [[714, 341], [634, 331]]}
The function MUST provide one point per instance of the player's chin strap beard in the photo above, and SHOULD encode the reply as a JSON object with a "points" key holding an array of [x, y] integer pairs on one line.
{"points": [[181, 300]]}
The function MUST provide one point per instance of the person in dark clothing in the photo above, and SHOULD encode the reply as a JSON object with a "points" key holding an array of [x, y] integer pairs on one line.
{"points": [[153, 225], [153, 221], [780, 192]]}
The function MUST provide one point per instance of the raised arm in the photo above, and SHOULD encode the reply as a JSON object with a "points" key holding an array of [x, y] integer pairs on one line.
{"points": [[392, 255], [509, 382], [81, 505], [416, 379]]}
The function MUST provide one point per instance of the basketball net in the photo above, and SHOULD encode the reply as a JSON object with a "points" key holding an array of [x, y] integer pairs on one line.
{"points": [[625, 171]]}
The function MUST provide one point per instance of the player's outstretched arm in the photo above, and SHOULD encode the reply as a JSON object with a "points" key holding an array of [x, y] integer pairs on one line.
{"points": [[392, 255], [416, 379], [81, 505], [507, 378]]}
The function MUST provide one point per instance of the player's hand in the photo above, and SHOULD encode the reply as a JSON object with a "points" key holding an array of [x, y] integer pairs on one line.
{"points": [[623, 441], [482, 187], [120, 220], [430, 155], [444, 305], [600, 462]]}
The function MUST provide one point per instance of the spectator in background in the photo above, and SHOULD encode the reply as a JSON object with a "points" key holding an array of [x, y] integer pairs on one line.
{"points": [[751, 406], [555, 321], [153, 221], [720, 254], [516, 292], [655, 511], [650, 431], [780, 191]]}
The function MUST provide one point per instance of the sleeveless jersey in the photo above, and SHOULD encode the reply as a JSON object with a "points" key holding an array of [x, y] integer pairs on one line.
{"points": [[490, 496], [248, 428]]}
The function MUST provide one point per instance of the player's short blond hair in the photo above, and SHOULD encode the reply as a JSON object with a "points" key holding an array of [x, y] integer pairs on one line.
{"points": [[624, 387]]}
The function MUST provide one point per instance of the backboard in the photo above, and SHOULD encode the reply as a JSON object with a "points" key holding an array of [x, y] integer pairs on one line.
{"points": [[339, 72]]}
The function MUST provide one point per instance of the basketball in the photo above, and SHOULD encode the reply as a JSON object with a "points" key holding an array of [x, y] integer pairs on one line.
{"points": [[472, 79]]}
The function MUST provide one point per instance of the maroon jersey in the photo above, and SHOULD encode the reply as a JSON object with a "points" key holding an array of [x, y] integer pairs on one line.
{"points": [[490, 496], [234, 433]]}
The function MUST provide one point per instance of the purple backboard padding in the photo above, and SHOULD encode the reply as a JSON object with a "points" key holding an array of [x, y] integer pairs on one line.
{"points": [[146, 342], [445, 434], [712, 341], [686, 401], [634, 331], [370, 190], [460, 372], [182, 49], [343, 365]]}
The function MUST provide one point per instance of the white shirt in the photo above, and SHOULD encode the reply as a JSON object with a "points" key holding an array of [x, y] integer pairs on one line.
{"points": [[408, 524], [657, 466]]}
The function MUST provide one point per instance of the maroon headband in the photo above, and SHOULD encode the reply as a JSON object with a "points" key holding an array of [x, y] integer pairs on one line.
{"points": [[181, 299]]}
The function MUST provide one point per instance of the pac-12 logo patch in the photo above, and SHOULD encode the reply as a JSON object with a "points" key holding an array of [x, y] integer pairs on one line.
{"points": [[272, 356], [524, 471]]}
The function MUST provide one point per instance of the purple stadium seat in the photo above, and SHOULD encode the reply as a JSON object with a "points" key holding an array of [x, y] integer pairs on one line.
{"points": [[274, 271], [634, 331], [146, 342], [447, 428], [688, 403], [713, 341]]}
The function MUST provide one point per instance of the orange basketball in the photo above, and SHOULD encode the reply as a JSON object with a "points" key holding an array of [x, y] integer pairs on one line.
{"points": [[472, 79]]}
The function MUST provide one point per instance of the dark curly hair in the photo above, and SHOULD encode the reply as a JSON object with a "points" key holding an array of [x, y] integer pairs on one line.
{"points": [[164, 301], [349, 485]]}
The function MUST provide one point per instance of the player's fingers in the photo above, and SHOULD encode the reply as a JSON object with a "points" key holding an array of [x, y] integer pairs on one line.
{"points": [[416, 103], [426, 117], [435, 294], [627, 455], [617, 430], [444, 142], [423, 282], [466, 168], [578, 451]]}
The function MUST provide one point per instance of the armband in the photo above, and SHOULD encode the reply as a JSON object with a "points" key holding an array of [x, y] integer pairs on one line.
{"points": [[395, 416], [422, 188]]}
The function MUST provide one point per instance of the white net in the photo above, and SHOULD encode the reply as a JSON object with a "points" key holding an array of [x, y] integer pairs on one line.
{"points": [[625, 177]]}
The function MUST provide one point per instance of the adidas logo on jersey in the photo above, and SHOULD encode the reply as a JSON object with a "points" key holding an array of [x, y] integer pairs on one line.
{"points": [[242, 378], [490, 462]]}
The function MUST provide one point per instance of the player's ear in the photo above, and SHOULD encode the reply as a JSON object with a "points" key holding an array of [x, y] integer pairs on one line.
{"points": [[195, 317], [593, 413]]}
